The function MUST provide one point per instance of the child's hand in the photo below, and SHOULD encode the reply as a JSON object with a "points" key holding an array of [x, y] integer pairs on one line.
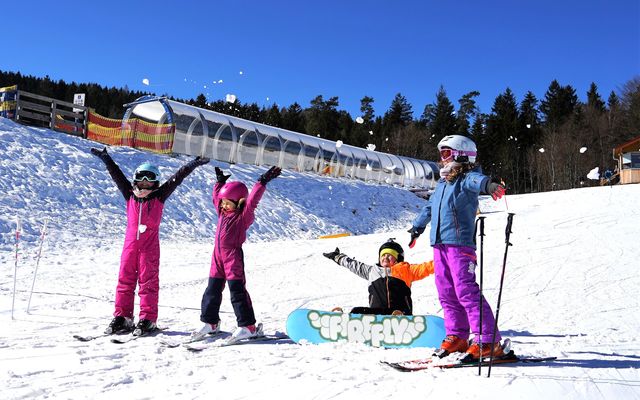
{"points": [[220, 176], [333, 255], [415, 233], [496, 190], [272, 173], [201, 160], [99, 153]]}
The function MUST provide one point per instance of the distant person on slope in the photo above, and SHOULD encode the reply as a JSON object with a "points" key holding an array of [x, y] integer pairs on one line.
{"points": [[140, 260], [390, 279], [235, 207], [451, 209]]}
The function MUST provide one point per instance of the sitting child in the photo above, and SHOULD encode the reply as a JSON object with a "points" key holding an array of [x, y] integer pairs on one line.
{"points": [[390, 279]]}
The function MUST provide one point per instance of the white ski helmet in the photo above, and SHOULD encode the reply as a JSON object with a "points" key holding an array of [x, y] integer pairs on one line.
{"points": [[463, 148]]}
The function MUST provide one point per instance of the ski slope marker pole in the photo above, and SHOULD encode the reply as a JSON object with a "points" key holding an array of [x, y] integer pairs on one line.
{"points": [[481, 220], [15, 269], [35, 272], [504, 265]]}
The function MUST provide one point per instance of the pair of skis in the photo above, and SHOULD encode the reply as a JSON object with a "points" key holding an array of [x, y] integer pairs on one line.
{"points": [[120, 337], [215, 340], [219, 339], [460, 359], [431, 363]]}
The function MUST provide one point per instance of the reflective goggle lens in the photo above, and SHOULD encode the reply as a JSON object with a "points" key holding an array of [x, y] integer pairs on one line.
{"points": [[145, 176], [446, 154]]}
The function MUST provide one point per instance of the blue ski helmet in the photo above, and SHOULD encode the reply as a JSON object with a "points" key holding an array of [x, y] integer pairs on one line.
{"points": [[146, 171]]}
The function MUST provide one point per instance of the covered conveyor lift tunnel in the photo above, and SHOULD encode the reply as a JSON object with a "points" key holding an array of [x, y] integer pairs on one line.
{"points": [[200, 132]]}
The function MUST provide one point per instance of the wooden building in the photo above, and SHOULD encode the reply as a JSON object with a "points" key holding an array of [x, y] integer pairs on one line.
{"points": [[628, 157]]}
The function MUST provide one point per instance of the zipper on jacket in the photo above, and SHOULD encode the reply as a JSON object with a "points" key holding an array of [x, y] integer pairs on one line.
{"points": [[455, 219], [139, 220]]}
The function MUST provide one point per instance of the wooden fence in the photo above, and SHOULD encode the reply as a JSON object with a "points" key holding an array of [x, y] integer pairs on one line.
{"points": [[36, 110]]}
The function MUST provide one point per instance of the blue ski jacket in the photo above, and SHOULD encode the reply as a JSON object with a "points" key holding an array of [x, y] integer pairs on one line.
{"points": [[451, 209]]}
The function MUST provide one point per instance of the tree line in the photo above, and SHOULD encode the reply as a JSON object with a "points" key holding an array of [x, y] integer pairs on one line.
{"points": [[532, 145]]}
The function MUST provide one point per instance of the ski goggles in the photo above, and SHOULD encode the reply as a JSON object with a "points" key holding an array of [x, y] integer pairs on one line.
{"points": [[145, 176], [447, 154]]}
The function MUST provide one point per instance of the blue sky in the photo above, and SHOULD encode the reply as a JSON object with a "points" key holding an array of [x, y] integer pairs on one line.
{"points": [[288, 51]]}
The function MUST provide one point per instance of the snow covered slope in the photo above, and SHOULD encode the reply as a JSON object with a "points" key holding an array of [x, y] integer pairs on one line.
{"points": [[571, 286]]}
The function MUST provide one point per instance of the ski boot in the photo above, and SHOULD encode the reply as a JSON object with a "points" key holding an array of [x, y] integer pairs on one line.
{"points": [[246, 332], [119, 324], [144, 327], [451, 344], [475, 351], [206, 330]]}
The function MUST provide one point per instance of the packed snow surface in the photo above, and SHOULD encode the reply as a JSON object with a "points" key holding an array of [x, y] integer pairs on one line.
{"points": [[570, 285]]}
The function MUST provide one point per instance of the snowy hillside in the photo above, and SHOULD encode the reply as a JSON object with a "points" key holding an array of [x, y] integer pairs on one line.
{"points": [[52, 175], [571, 286]]}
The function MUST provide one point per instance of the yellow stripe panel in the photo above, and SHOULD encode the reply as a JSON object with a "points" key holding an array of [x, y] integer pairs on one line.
{"points": [[337, 235]]}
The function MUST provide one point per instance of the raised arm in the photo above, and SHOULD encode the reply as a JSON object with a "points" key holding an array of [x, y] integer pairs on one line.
{"points": [[256, 194], [121, 181], [421, 271], [167, 188], [221, 179], [355, 266]]}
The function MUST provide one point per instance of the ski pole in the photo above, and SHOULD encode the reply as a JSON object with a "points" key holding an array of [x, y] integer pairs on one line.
{"points": [[481, 220], [15, 269], [42, 235], [505, 196], [504, 265]]}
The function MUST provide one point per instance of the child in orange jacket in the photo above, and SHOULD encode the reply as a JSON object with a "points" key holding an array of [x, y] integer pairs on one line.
{"points": [[390, 279]]}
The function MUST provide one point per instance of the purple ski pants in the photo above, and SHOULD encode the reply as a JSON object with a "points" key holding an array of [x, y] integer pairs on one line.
{"points": [[460, 294]]}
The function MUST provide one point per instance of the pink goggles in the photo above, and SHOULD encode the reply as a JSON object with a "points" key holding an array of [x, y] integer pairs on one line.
{"points": [[447, 154]]}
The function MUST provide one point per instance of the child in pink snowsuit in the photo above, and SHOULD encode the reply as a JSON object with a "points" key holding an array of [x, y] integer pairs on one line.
{"points": [[235, 215], [140, 259]]}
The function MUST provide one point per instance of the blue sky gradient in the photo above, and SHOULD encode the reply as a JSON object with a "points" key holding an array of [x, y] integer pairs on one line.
{"points": [[292, 51]]}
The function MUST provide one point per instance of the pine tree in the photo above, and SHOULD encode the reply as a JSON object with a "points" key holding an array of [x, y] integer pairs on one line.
{"points": [[293, 118], [440, 117], [360, 136], [322, 118], [529, 138], [559, 105], [272, 116], [468, 111], [498, 148], [399, 113], [201, 101], [594, 100], [630, 99], [529, 121]]}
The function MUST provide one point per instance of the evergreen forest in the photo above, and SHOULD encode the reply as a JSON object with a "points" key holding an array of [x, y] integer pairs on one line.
{"points": [[533, 144]]}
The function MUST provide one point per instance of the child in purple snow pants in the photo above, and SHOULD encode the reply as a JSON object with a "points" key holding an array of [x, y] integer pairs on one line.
{"points": [[451, 209]]}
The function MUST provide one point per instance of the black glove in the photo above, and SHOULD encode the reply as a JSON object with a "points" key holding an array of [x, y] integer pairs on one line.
{"points": [[272, 173], [415, 233], [334, 255], [496, 190], [200, 161], [220, 176], [101, 154]]}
